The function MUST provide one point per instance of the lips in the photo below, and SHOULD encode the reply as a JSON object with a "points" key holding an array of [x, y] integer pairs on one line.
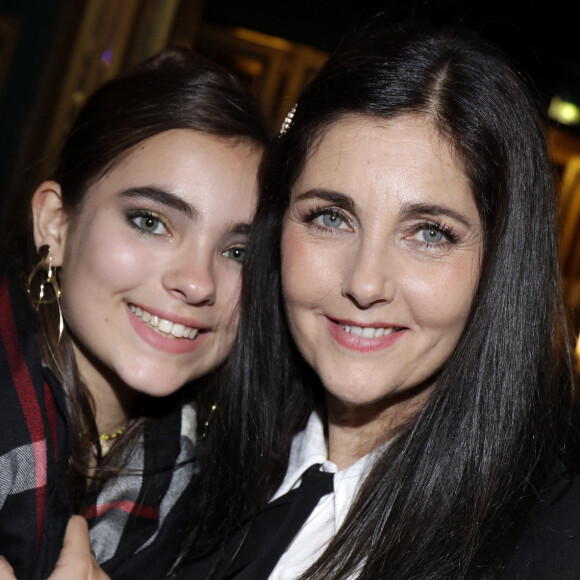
{"points": [[164, 326], [162, 334], [364, 338]]}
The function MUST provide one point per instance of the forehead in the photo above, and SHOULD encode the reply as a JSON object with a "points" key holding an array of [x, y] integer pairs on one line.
{"points": [[214, 175], [404, 158], [181, 148], [185, 162]]}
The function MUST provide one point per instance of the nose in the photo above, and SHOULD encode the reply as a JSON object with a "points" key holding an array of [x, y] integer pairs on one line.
{"points": [[191, 278], [369, 278]]}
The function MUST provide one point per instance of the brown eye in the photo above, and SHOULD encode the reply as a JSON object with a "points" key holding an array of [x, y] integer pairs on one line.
{"points": [[146, 222], [236, 253], [150, 224]]}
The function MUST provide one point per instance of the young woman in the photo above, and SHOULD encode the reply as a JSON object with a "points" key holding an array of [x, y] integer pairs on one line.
{"points": [[136, 246], [406, 245]]}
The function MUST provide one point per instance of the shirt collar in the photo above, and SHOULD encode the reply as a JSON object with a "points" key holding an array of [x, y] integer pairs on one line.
{"points": [[309, 448]]}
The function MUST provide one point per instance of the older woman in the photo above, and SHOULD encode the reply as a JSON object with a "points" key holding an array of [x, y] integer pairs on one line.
{"points": [[406, 245]]}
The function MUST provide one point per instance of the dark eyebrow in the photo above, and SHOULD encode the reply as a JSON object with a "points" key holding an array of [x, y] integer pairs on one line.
{"points": [[242, 229], [171, 200], [411, 210], [162, 197], [340, 199]]}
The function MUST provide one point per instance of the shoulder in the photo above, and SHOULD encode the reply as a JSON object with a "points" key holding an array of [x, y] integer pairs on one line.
{"points": [[34, 443], [549, 546]]}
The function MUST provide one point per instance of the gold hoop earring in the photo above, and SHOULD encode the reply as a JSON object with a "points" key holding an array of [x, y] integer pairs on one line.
{"points": [[44, 266]]}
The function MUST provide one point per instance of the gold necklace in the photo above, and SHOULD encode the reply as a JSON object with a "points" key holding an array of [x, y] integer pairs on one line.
{"points": [[106, 440]]}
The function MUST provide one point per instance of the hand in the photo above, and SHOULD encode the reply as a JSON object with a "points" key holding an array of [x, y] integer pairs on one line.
{"points": [[6, 570], [76, 559]]}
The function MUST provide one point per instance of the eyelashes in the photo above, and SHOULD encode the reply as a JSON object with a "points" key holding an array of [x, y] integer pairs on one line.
{"points": [[428, 233], [147, 222], [236, 253], [434, 233], [326, 218]]}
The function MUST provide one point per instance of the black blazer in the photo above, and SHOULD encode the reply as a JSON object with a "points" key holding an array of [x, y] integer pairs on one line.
{"points": [[549, 547]]}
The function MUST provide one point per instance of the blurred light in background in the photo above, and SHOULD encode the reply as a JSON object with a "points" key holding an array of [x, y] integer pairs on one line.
{"points": [[564, 111]]}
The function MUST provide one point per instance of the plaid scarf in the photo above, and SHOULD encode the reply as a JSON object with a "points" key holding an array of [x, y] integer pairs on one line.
{"points": [[138, 518]]}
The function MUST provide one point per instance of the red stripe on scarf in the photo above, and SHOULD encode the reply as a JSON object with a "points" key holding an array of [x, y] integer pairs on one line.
{"points": [[51, 414], [130, 507], [28, 402]]}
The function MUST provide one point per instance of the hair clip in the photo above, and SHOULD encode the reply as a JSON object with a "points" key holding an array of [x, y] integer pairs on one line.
{"points": [[288, 120]]}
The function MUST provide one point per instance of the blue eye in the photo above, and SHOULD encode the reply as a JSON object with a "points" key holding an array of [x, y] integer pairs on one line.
{"points": [[326, 219], [236, 253], [432, 235], [331, 220]]}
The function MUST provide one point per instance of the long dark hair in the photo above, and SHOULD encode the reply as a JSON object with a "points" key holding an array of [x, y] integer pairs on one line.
{"points": [[448, 498], [176, 89]]}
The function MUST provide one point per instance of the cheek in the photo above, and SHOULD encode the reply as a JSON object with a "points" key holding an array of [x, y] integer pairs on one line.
{"points": [[229, 285], [229, 318], [122, 256], [309, 271], [97, 264], [442, 298]]}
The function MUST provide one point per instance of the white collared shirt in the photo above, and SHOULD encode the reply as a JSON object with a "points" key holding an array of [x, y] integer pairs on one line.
{"points": [[309, 448]]}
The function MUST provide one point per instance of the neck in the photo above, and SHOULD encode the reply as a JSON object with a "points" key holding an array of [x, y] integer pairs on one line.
{"points": [[111, 413], [113, 401], [355, 430]]}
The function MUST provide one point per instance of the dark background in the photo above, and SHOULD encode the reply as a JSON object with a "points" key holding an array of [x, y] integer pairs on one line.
{"points": [[543, 39], [38, 21]]}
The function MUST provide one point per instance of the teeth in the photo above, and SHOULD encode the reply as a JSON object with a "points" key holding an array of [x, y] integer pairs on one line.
{"points": [[164, 326], [177, 330], [367, 331], [356, 330]]}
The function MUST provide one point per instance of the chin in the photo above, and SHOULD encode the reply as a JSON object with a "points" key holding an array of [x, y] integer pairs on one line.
{"points": [[155, 388]]}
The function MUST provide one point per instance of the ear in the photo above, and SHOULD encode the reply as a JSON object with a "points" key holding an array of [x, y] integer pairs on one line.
{"points": [[49, 220]]}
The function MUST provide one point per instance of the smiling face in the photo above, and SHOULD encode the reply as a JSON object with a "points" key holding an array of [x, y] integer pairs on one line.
{"points": [[381, 250], [151, 265]]}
